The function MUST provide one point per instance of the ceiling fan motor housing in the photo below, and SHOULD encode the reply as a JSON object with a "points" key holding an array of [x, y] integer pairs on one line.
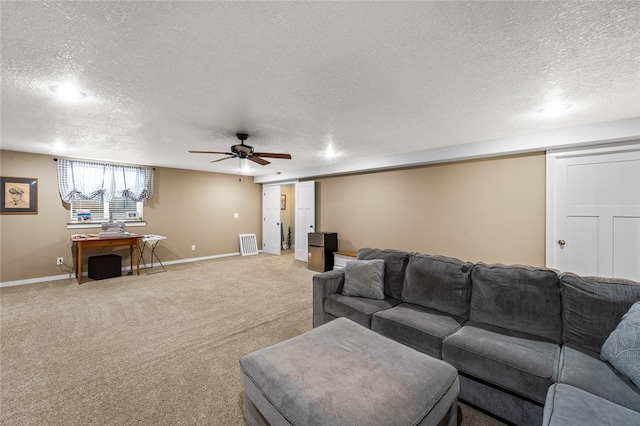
{"points": [[242, 150]]}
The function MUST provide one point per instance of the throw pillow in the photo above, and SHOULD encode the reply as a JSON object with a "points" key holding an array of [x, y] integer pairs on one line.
{"points": [[395, 264], [622, 347], [364, 278]]}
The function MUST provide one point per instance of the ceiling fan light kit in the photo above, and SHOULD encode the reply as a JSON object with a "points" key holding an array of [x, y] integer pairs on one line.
{"points": [[243, 151]]}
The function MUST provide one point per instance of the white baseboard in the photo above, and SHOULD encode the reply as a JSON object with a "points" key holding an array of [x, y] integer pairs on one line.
{"points": [[84, 274], [36, 280]]}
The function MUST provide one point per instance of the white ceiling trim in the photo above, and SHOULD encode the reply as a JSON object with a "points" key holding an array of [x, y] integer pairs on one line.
{"points": [[592, 134]]}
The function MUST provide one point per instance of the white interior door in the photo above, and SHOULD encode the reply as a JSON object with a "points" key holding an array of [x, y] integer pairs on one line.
{"points": [[593, 211], [271, 219], [305, 217]]}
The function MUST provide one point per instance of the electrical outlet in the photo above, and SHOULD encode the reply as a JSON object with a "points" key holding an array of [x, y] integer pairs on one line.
{"points": [[193, 247], [60, 261]]}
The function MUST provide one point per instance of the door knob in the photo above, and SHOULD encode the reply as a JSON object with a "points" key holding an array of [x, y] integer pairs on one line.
{"points": [[562, 243]]}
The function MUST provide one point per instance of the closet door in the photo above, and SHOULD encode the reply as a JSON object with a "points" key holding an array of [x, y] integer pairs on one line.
{"points": [[593, 211]]}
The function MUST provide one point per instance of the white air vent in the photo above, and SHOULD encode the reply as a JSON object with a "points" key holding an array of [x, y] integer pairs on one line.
{"points": [[248, 244]]}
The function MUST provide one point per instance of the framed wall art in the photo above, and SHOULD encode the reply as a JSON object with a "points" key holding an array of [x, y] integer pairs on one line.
{"points": [[283, 202], [18, 195]]}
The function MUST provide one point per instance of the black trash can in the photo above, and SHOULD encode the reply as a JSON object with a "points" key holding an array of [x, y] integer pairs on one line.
{"points": [[105, 266]]}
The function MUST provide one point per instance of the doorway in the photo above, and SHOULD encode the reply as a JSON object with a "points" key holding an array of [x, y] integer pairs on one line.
{"points": [[288, 215], [278, 211], [287, 218]]}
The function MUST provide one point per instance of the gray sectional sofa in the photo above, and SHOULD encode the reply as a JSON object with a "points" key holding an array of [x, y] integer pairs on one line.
{"points": [[526, 340]]}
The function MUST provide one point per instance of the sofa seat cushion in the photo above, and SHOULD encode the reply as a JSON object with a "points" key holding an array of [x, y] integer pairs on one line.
{"points": [[566, 405], [517, 362], [438, 282], [584, 369], [421, 328], [358, 309]]}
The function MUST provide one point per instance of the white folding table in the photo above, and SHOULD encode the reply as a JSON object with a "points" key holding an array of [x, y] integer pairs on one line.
{"points": [[151, 241]]}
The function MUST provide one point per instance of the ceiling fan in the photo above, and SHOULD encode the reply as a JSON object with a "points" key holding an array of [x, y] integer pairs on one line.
{"points": [[245, 151]]}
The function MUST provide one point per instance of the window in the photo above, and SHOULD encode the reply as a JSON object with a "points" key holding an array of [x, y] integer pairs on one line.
{"points": [[100, 192], [121, 209]]}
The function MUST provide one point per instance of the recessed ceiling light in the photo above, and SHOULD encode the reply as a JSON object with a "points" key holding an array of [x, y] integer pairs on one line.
{"points": [[330, 153], [58, 146], [67, 91], [554, 108]]}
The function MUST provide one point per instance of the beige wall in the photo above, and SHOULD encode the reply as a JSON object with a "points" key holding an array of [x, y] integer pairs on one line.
{"points": [[188, 207], [488, 210]]}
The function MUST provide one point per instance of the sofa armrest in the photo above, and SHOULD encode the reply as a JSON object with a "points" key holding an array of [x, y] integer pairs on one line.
{"points": [[324, 284]]}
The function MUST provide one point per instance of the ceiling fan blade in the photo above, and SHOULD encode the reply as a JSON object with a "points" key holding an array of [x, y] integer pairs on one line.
{"points": [[258, 160], [272, 155], [212, 152], [222, 159]]}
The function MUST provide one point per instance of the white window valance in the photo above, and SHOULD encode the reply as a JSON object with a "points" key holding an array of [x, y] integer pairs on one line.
{"points": [[82, 180]]}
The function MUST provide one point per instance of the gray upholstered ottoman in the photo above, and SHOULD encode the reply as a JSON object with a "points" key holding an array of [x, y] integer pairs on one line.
{"points": [[342, 373]]}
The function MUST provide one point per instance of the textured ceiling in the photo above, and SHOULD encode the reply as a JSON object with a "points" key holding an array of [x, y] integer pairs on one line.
{"points": [[366, 79]]}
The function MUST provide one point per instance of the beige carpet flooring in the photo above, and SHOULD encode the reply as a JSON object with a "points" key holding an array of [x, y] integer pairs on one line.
{"points": [[158, 349]]}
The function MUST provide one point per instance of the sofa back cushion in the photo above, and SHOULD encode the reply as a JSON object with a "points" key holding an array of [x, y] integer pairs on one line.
{"points": [[395, 264], [592, 307], [525, 299], [438, 282]]}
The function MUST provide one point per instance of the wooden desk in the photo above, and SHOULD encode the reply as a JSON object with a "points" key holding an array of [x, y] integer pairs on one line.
{"points": [[93, 242]]}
